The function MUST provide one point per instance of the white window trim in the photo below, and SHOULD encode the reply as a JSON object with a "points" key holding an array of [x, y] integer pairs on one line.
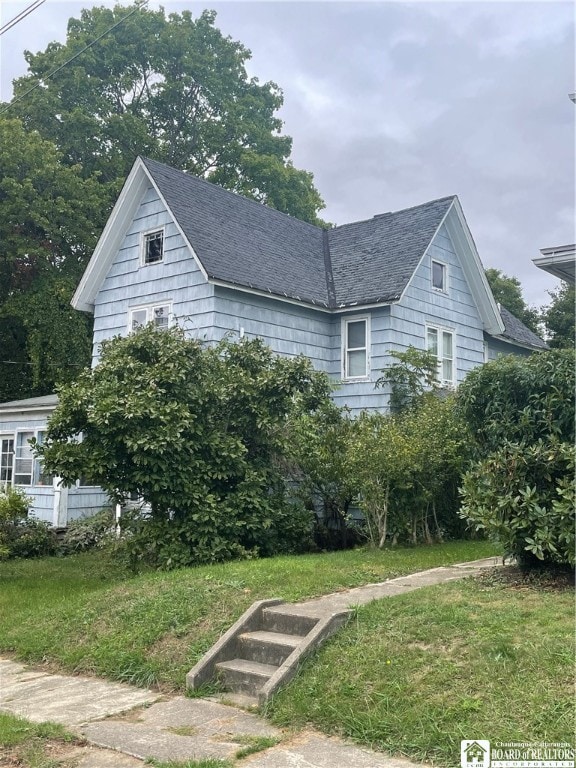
{"points": [[149, 308], [9, 436], [446, 273], [35, 461], [344, 350], [151, 231], [444, 329]]}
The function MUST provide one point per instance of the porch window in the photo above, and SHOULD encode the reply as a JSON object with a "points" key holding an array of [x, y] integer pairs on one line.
{"points": [[355, 333], [159, 315], [440, 341], [153, 247], [6, 459], [40, 476], [24, 460]]}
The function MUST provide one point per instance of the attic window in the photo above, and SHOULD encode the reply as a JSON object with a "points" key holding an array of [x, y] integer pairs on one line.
{"points": [[153, 247], [439, 276]]}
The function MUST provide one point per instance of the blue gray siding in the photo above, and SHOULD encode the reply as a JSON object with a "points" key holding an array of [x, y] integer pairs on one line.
{"points": [[177, 279], [498, 347], [455, 310]]}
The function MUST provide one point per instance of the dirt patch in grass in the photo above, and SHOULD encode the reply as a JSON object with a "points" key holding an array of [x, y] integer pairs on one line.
{"points": [[540, 579]]}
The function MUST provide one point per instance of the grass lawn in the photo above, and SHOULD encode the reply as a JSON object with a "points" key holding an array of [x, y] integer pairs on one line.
{"points": [[412, 675], [34, 745], [82, 614], [475, 659]]}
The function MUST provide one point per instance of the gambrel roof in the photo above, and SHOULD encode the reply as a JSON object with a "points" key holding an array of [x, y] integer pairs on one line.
{"points": [[243, 244]]}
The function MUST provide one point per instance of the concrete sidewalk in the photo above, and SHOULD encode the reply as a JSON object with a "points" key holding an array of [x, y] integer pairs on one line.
{"points": [[125, 725]]}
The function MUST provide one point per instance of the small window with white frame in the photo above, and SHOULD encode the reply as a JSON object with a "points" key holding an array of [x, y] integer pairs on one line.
{"points": [[439, 276], [440, 342], [160, 315], [152, 247], [355, 348], [6, 459]]}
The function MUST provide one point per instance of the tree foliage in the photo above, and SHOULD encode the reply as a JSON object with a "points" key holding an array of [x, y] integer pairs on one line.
{"points": [[508, 291], [412, 375], [521, 489], [50, 217], [172, 88], [194, 431], [559, 318]]}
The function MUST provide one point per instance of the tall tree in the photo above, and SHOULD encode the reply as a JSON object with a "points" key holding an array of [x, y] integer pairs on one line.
{"points": [[508, 291], [50, 218], [172, 88], [560, 317]]}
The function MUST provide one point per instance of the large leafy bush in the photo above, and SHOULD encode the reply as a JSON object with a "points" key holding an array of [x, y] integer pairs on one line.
{"points": [[194, 431], [521, 490]]}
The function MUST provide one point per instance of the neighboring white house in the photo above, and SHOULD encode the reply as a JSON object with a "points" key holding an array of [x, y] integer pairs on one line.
{"points": [[559, 261], [20, 421], [178, 247]]}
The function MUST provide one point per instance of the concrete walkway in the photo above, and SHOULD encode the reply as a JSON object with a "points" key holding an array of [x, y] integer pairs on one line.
{"points": [[124, 725]]}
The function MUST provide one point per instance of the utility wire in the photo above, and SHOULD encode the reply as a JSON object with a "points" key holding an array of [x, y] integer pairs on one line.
{"points": [[140, 4], [20, 16]]}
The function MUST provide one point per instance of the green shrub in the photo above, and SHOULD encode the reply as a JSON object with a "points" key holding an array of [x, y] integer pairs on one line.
{"points": [[521, 491], [20, 535], [87, 533], [408, 468], [523, 497]]}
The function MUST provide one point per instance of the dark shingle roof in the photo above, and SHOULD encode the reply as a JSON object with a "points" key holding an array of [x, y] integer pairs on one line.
{"points": [[516, 331], [372, 261], [31, 402], [242, 242]]}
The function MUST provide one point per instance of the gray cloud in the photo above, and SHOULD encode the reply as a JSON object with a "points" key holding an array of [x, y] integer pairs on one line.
{"points": [[393, 104]]}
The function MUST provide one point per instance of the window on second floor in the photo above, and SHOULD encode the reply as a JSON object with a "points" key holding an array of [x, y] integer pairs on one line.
{"points": [[439, 276], [355, 348], [158, 314], [440, 341], [153, 247]]}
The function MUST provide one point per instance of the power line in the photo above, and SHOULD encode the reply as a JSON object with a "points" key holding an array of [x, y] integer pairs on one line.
{"points": [[22, 15], [139, 4]]}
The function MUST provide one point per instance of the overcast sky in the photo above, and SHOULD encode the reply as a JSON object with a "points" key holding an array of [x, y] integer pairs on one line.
{"points": [[392, 104]]}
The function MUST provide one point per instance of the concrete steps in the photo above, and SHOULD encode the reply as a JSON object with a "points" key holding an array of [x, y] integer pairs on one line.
{"points": [[264, 648]]}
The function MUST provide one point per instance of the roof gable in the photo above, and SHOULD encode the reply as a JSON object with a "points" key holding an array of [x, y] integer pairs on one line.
{"points": [[387, 249], [241, 243]]}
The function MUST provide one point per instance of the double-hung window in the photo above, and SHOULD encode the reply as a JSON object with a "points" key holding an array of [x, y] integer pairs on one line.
{"points": [[152, 247], [355, 348], [18, 465], [440, 341], [158, 314]]}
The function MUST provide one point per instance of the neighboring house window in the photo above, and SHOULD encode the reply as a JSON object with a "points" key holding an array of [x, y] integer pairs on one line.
{"points": [[24, 460], [40, 476], [153, 247], [439, 276], [6, 459], [355, 334], [440, 342], [159, 315]]}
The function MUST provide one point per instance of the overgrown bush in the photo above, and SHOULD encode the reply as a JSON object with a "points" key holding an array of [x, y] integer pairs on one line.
{"points": [[521, 490], [408, 468], [523, 496], [194, 431], [20, 535], [314, 464]]}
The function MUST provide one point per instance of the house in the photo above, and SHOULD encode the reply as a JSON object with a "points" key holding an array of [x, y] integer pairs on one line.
{"points": [[180, 249], [177, 248], [20, 421], [559, 261]]}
